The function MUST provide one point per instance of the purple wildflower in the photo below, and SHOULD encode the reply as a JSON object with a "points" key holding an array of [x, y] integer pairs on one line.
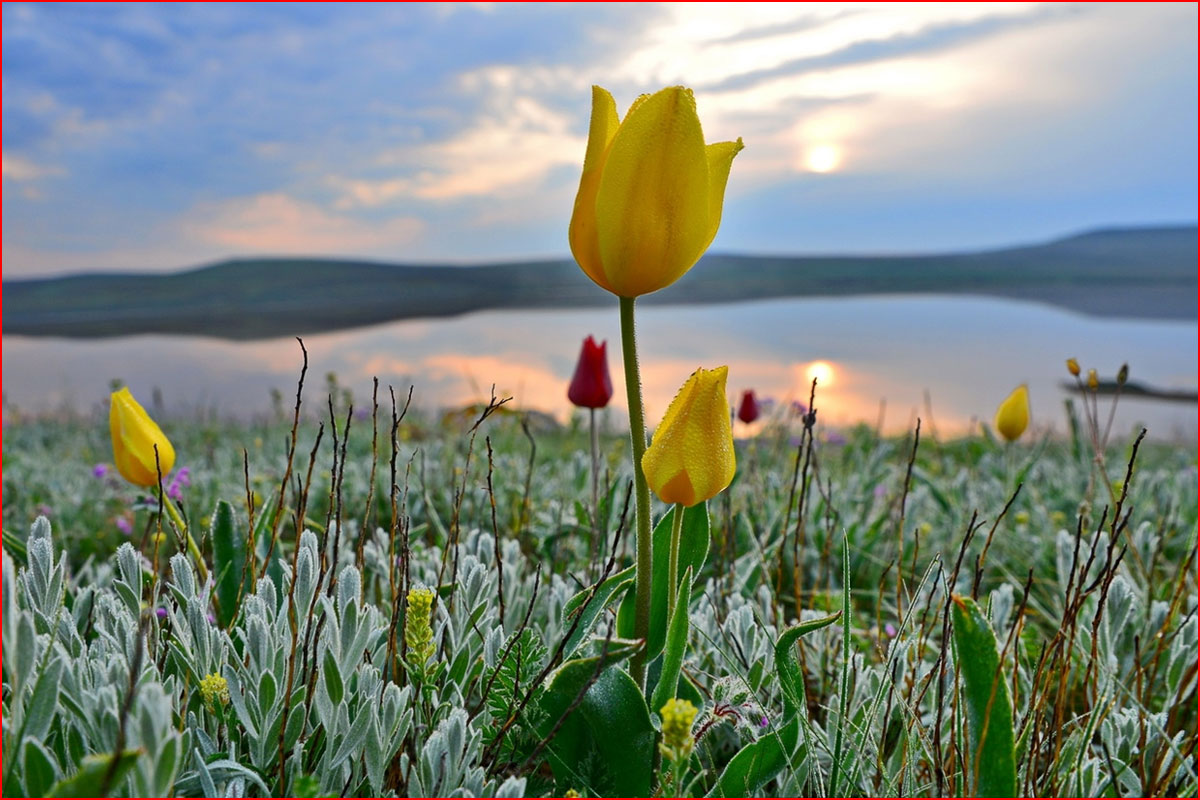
{"points": [[798, 408], [212, 620], [890, 630], [100, 470], [161, 612], [44, 510], [763, 722], [836, 439], [183, 476], [124, 525], [175, 491], [880, 490]]}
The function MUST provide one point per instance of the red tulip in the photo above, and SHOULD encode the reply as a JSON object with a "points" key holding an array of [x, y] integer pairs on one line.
{"points": [[591, 387], [748, 408]]}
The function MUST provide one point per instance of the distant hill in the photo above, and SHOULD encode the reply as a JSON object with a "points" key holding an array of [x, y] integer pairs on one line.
{"points": [[1126, 272]]}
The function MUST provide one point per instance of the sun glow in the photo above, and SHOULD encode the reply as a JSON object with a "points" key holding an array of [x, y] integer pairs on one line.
{"points": [[823, 158], [820, 371]]}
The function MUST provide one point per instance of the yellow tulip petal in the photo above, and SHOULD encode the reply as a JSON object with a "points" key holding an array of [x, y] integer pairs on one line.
{"points": [[585, 244], [691, 457], [720, 159], [652, 205], [134, 437], [1012, 417]]}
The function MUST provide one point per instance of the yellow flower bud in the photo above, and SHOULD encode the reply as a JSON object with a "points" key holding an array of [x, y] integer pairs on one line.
{"points": [[691, 458], [1073, 366], [214, 690], [677, 719], [134, 436], [1123, 374], [418, 630], [651, 193], [1012, 417], [1093, 381]]}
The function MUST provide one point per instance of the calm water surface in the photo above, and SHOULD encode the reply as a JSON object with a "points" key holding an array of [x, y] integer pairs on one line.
{"points": [[965, 353]]}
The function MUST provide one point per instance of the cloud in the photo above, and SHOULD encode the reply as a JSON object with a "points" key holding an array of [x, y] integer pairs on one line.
{"points": [[278, 223], [16, 168], [509, 148]]}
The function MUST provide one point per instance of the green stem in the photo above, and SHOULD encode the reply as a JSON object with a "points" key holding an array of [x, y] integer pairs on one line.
{"points": [[193, 549], [637, 435], [596, 549], [673, 560]]}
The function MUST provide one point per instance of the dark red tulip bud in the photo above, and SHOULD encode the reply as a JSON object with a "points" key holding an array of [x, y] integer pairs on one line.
{"points": [[748, 408], [591, 387]]}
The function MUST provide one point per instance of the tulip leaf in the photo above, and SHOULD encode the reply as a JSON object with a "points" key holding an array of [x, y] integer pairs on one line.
{"points": [[992, 765], [693, 551], [606, 723], [97, 775], [589, 611], [758, 762], [677, 637], [791, 679], [229, 562]]}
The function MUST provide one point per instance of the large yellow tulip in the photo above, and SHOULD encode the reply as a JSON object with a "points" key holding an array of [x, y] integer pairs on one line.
{"points": [[650, 197], [691, 456], [134, 436], [1012, 417]]}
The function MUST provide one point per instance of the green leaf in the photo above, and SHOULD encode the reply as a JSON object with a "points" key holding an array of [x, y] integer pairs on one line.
{"points": [[229, 561], [43, 705], [611, 724], [992, 765], [333, 679], [677, 637], [93, 770], [791, 679], [590, 610], [693, 551], [758, 762], [40, 767]]}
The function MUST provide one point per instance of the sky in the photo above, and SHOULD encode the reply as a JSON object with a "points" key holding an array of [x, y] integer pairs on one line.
{"points": [[146, 137]]}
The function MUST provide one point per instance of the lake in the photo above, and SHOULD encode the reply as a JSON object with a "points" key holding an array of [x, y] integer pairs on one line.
{"points": [[878, 357]]}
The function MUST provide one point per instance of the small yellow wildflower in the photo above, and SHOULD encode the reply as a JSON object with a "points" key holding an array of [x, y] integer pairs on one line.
{"points": [[1093, 380], [214, 690], [418, 632], [677, 719], [1073, 367]]}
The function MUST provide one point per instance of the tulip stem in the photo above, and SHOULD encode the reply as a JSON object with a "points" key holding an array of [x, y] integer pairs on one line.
{"points": [[637, 435], [596, 545], [193, 549], [673, 560]]}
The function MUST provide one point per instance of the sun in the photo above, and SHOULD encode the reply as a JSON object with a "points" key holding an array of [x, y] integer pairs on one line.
{"points": [[823, 158], [820, 371]]}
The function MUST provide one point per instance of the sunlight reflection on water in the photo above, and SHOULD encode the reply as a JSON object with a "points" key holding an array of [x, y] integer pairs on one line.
{"points": [[968, 353]]}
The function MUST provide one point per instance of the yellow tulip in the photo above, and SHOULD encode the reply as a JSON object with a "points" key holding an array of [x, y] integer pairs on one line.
{"points": [[1012, 417], [650, 197], [134, 436], [690, 458]]}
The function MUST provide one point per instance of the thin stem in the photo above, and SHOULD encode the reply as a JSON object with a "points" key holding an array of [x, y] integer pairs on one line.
{"points": [[595, 546], [193, 549], [637, 436], [673, 560]]}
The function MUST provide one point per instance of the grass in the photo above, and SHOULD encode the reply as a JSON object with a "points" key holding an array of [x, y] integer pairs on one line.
{"points": [[1088, 582]]}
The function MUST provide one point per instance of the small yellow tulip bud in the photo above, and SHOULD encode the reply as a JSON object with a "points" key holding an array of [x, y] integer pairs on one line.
{"points": [[651, 193], [1073, 366], [1012, 417], [691, 458], [1093, 381], [134, 437]]}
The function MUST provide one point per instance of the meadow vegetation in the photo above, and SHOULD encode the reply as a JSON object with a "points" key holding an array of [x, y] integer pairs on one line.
{"points": [[826, 650]]}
